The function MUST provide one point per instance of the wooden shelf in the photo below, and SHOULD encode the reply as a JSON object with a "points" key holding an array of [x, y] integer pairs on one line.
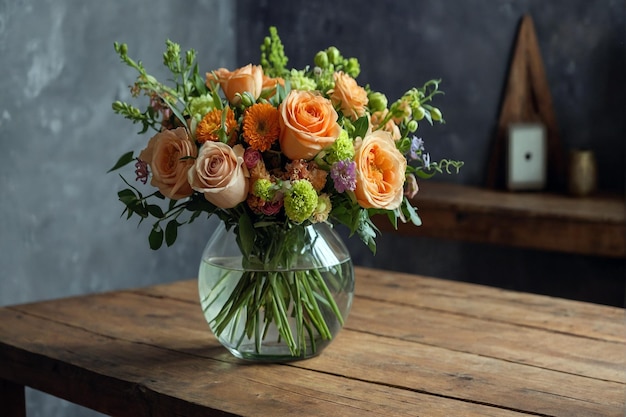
{"points": [[594, 225]]}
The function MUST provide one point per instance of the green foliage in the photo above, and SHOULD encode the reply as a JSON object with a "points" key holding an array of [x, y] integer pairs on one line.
{"points": [[273, 58]]}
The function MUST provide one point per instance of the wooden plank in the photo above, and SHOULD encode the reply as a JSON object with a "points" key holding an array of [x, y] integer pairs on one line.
{"points": [[12, 399], [591, 226], [578, 318], [134, 378], [469, 377], [599, 359]]}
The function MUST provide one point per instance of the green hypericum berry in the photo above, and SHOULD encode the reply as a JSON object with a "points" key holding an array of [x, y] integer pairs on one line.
{"points": [[412, 126], [435, 113]]}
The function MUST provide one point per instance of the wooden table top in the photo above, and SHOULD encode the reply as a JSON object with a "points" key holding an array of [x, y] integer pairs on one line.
{"points": [[411, 346]]}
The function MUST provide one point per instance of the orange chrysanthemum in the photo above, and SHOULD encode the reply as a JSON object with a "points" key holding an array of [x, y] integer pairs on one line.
{"points": [[210, 125], [260, 126]]}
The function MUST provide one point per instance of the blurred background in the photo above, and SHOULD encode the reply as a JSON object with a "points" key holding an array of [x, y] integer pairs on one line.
{"points": [[61, 233]]}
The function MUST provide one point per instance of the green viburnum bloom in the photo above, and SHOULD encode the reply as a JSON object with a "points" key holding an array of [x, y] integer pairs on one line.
{"points": [[263, 188], [299, 81], [341, 149], [301, 201], [199, 106]]}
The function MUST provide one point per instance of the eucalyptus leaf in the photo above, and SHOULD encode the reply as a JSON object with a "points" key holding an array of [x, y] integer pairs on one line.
{"points": [[125, 159]]}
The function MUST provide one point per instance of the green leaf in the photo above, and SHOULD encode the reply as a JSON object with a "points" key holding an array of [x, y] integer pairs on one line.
{"points": [[156, 237], [245, 235], [155, 210], [127, 196], [124, 160], [360, 127], [171, 232]]}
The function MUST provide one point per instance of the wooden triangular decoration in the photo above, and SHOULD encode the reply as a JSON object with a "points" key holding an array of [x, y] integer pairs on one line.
{"points": [[527, 99]]}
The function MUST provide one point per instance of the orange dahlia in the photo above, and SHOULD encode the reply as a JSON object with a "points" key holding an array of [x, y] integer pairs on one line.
{"points": [[260, 126], [210, 125]]}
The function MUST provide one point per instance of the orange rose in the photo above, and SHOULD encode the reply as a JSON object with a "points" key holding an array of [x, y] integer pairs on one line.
{"points": [[170, 154], [219, 173], [380, 172], [245, 79], [308, 124], [348, 96]]}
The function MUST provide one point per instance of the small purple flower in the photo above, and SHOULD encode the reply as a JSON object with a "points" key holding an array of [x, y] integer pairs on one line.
{"points": [[426, 159], [343, 174], [141, 170], [417, 145]]}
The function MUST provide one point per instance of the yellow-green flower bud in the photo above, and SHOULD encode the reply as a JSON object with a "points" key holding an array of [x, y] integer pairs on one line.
{"points": [[435, 113], [334, 56], [246, 99], [377, 101], [352, 67], [412, 125], [419, 113], [321, 59]]}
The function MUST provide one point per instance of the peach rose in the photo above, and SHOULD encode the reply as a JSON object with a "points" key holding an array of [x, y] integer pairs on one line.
{"points": [[169, 154], [245, 79], [350, 97], [380, 172], [220, 174], [390, 126], [308, 124]]}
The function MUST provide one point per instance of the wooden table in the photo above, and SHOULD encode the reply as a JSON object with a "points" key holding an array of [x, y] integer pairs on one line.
{"points": [[411, 346]]}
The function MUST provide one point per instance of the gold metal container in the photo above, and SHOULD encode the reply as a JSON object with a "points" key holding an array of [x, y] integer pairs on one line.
{"points": [[582, 172]]}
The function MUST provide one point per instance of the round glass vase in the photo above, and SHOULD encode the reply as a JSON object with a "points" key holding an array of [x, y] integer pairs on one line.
{"points": [[280, 296]]}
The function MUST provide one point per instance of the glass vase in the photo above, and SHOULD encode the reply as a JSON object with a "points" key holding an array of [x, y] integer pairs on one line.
{"points": [[279, 295]]}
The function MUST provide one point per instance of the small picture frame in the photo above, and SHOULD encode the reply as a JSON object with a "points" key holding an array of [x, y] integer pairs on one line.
{"points": [[526, 156]]}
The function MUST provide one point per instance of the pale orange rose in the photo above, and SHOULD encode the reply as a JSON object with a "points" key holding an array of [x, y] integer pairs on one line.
{"points": [[220, 174], [390, 126], [169, 154], [245, 79], [350, 97], [308, 124], [380, 172]]}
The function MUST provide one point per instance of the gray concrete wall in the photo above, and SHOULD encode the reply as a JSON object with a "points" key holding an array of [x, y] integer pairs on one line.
{"points": [[60, 228]]}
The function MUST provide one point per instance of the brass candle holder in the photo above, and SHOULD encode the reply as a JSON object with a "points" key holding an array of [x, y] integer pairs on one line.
{"points": [[582, 172]]}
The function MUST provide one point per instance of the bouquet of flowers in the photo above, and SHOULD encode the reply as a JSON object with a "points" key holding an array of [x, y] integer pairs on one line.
{"points": [[270, 150]]}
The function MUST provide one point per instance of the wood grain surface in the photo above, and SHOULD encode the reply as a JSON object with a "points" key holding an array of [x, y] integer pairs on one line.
{"points": [[412, 345]]}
